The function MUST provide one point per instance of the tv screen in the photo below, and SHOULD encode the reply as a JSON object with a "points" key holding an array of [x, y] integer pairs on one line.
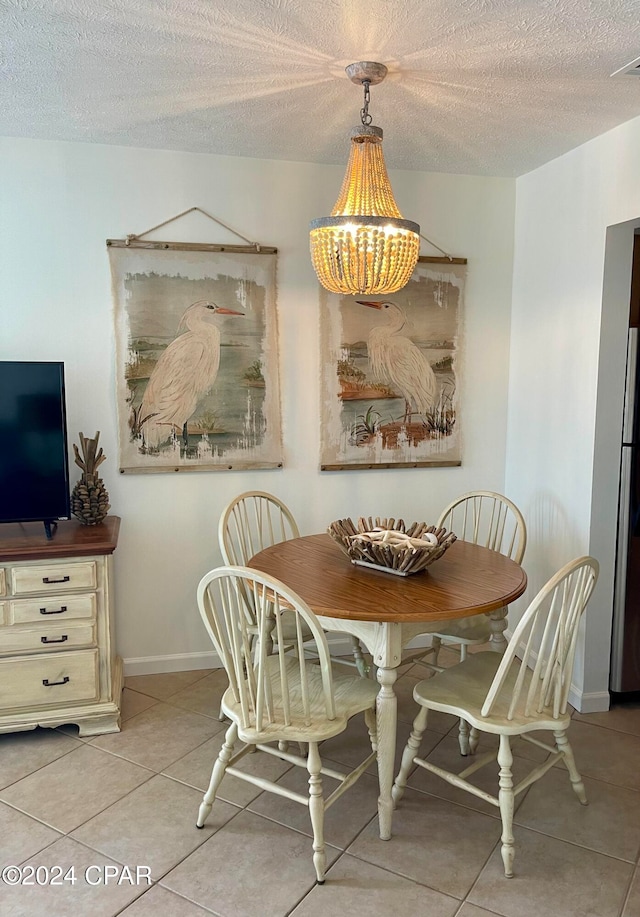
{"points": [[34, 468]]}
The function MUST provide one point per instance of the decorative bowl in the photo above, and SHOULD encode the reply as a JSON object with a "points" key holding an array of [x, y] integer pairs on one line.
{"points": [[389, 545]]}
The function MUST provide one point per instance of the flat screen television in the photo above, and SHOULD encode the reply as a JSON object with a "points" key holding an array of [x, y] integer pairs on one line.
{"points": [[34, 466]]}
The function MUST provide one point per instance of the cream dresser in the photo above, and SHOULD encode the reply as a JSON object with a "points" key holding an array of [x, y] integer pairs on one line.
{"points": [[57, 648]]}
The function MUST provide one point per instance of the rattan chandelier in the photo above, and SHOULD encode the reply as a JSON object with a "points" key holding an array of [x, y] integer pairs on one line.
{"points": [[365, 246]]}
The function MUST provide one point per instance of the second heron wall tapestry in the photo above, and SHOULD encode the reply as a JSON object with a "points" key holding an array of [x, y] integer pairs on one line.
{"points": [[197, 373], [389, 388]]}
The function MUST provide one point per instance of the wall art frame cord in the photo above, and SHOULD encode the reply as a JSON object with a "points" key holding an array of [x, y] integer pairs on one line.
{"points": [[197, 374], [390, 373]]}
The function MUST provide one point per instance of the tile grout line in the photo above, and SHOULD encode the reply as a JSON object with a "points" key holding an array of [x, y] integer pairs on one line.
{"points": [[122, 757], [80, 744], [185, 688], [627, 896], [158, 880], [64, 834], [584, 722], [488, 910], [575, 844], [407, 878]]}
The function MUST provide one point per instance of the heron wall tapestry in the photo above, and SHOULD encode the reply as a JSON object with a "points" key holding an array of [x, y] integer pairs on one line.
{"points": [[197, 362], [389, 387]]}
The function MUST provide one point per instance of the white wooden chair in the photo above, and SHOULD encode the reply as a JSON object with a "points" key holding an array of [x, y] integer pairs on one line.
{"points": [[511, 696], [253, 521], [486, 518], [281, 697], [489, 519]]}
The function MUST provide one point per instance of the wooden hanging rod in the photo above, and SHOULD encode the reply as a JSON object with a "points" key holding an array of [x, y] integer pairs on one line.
{"points": [[193, 247], [437, 259]]}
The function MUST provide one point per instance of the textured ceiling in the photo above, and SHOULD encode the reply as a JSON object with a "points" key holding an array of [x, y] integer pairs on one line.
{"points": [[487, 87]]}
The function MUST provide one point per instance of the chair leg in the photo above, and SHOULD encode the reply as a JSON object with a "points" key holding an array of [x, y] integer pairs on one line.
{"points": [[360, 661], [468, 738], [506, 799], [436, 643], [316, 811], [463, 652], [217, 774], [372, 725], [563, 746], [409, 753], [463, 737]]}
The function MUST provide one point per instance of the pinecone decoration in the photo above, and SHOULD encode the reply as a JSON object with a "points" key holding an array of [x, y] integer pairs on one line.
{"points": [[89, 498]]}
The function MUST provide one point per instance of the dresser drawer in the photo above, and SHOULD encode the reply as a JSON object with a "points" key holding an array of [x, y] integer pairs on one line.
{"points": [[49, 638], [52, 608], [53, 577], [49, 679]]}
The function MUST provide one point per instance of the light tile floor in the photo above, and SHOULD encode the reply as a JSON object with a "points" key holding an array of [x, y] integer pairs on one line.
{"points": [[130, 800]]}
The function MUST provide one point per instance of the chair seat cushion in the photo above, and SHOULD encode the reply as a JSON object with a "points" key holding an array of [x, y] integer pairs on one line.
{"points": [[461, 690], [352, 695]]}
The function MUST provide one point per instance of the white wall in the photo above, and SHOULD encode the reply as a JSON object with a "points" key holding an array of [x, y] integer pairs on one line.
{"points": [[568, 346], [60, 201]]}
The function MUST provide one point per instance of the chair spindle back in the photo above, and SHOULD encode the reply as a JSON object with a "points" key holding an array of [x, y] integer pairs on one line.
{"points": [[545, 641], [488, 519], [272, 689], [252, 522]]}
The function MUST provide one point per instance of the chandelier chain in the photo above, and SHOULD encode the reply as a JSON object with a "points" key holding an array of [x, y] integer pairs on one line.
{"points": [[364, 112]]}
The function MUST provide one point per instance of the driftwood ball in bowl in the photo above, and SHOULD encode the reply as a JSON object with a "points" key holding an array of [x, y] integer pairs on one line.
{"points": [[389, 545]]}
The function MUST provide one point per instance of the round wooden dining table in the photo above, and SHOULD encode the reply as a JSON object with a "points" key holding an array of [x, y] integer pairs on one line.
{"points": [[386, 611]]}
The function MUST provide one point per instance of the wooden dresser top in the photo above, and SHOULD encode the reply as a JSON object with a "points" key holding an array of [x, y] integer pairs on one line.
{"points": [[27, 540]]}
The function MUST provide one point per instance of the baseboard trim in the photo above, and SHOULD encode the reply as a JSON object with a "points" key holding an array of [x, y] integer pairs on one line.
{"points": [[339, 645], [589, 702], [179, 662]]}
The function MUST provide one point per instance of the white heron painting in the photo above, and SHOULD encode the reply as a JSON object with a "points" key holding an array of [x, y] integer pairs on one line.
{"points": [[390, 373], [197, 359]]}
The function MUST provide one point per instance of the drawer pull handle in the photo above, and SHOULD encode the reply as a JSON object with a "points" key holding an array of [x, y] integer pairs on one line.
{"points": [[51, 684], [64, 579], [55, 611], [62, 639]]}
